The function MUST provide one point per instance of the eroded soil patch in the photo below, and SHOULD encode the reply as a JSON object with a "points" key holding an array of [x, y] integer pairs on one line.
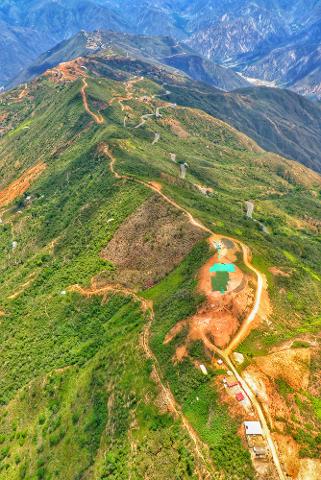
{"points": [[67, 71], [150, 243], [21, 185]]}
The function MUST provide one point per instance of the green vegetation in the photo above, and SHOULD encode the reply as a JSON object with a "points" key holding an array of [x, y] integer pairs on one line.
{"points": [[195, 392], [77, 398]]}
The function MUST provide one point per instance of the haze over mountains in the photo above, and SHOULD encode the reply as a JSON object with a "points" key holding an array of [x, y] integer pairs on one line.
{"points": [[163, 50], [252, 37]]}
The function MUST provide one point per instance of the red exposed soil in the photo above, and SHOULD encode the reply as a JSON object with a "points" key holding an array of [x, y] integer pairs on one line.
{"points": [[220, 315], [291, 365], [174, 332], [21, 185], [278, 272], [67, 71], [3, 116], [289, 454]]}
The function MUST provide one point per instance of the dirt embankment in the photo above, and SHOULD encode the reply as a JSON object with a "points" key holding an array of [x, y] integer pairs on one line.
{"points": [[220, 316], [150, 243], [310, 469], [21, 185], [277, 380], [291, 365], [277, 272]]}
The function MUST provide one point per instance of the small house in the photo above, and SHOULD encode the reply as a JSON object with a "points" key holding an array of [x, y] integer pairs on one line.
{"points": [[253, 428]]}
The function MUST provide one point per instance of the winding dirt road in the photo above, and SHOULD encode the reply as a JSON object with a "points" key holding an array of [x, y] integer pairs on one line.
{"points": [[246, 325], [99, 119], [241, 334], [205, 468]]}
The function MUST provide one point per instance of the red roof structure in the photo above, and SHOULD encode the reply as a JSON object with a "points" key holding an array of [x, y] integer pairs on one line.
{"points": [[239, 396]]}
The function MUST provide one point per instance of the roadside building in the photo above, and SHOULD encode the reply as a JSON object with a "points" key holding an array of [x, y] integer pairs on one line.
{"points": [[253, 428], [231, 382]]}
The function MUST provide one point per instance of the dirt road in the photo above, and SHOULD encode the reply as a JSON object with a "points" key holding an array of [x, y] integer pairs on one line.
{"points": [[245, 327], [255, 403], [247, 324], [156, 139], [99, 119], [205, 469]]}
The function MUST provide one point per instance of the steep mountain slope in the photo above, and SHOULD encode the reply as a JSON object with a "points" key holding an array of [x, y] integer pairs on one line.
{"points": [[30, 28], [295, 65], [91, 381], [242, 34], [279, 120], [156, 49]]}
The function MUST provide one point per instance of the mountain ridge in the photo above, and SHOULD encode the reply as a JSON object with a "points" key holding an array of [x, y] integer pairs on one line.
{"points": [[278, 120], [240, 33], [93, 329], [164, 50]]}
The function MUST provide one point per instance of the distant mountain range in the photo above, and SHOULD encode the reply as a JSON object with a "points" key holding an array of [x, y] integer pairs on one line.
{"points": [[163, 50], [279, 120], [276, 41]]}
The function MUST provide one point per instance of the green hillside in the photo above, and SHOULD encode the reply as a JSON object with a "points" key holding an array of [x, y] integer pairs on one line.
{"points": [[80, 399]]}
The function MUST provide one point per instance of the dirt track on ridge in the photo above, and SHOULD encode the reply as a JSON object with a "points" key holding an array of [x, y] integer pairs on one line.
{"points": [[99, 119], [246, 325], [205, 470]]}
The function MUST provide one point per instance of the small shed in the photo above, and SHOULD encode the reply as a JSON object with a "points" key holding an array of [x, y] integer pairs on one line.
{"points": [[253, 428], [231, 382]]}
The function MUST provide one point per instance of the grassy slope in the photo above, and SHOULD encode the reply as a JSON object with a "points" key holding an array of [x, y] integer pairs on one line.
{"points": [[65, 358], [57, 374]]}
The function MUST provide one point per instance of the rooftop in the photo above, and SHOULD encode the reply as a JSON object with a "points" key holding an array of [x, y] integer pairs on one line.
{"points": [[253, 428]]}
